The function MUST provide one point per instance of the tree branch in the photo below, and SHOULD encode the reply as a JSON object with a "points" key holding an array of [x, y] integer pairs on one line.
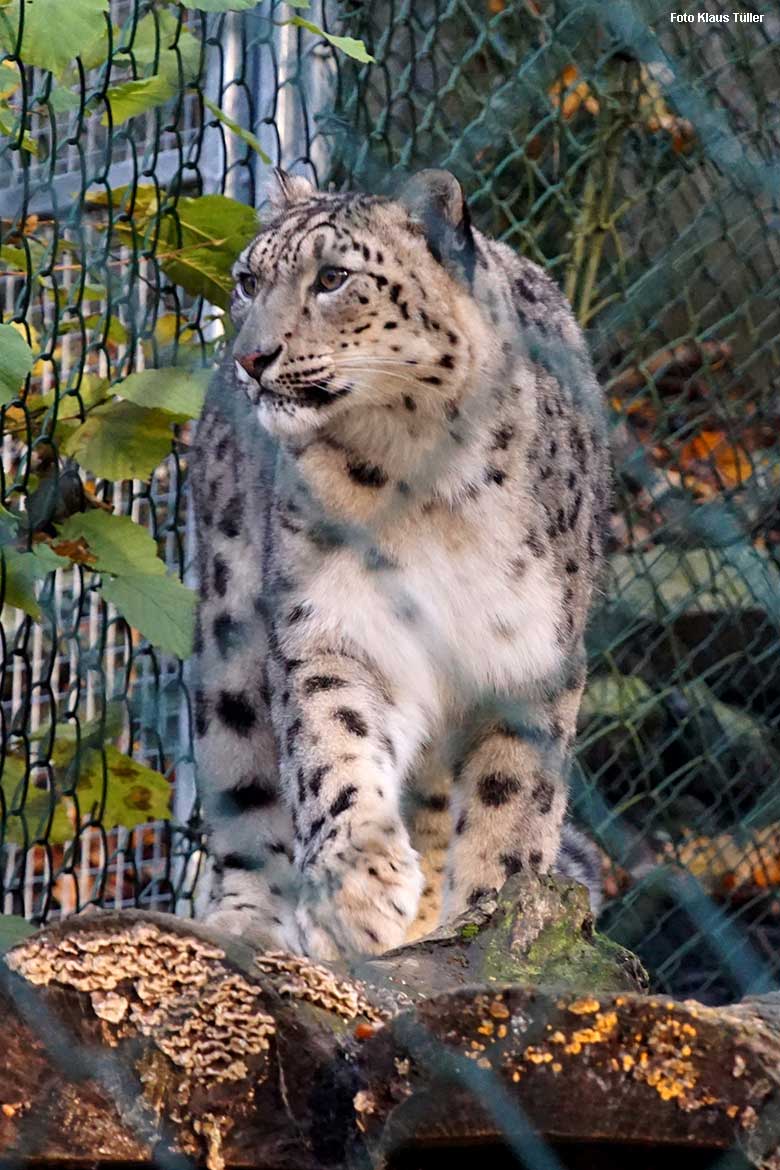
{"points": [[129, 1036]]}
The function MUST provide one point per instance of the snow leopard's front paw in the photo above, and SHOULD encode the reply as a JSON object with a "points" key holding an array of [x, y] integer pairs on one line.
{"points": [[257, 927], [359, 895]]}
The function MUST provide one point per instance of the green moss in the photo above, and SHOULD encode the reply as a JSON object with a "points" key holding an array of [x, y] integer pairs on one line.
{"points": [[499, 960], [470, 930], [562, 957], [563, 954]]}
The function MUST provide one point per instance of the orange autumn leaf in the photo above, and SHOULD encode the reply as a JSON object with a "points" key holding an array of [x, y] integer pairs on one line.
{"points": [[729, 865], [729, 459], [75, 550], [633, 406], [734, 466], [572, 92], [701, 446], [567, 96], [767, 873]]}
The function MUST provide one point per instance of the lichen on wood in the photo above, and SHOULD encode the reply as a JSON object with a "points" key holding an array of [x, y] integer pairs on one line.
{"points": [[174, 989]]}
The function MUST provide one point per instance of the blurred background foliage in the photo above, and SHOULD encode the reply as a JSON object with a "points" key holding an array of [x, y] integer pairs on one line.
{"points": [[637, 160]]}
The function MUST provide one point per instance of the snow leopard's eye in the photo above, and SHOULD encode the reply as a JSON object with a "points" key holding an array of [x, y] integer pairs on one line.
{"points": [[248, 284], [330, 278]]}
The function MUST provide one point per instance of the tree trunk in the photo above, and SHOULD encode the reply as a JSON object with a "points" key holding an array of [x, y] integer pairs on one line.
{"points": [[131, 1037]]}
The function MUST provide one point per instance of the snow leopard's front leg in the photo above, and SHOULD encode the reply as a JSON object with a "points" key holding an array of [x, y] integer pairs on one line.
{"points": [[509, 796], [428, 817], [249, 825], [359, 878]]}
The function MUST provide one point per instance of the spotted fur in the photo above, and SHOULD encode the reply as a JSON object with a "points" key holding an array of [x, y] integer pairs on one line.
{"points": [[400, 485]]}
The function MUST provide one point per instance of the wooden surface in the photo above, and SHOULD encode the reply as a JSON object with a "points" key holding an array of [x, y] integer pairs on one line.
{"points": [[127, 1038]]}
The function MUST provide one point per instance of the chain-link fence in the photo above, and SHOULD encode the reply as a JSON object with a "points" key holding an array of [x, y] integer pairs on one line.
{"points": [[636, 158], [101, 278]]}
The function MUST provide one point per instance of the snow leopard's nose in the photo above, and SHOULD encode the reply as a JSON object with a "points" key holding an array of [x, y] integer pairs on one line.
{"points": [[257, 362]]}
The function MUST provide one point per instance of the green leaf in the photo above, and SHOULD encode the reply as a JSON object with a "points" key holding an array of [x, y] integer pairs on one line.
{"points": [[13, 258], [157, 605], [221, 5], [214, 231], [141, 198], [95, 52], [16, 361], [23, 570], [176, 391], [666, 581], [617, 696], [348, 45], [115, 331], [245, 135], [48, 559], [9, 125], [136, 97], [160, 43], [119, 545], [298, 3], [197, 243], [91, 390], [63, 100], [10, 80], [55, 31], [136, 794], [129, 793], [120, 440], [14, 930], [176, 44], [9, 526], [160, 608]]}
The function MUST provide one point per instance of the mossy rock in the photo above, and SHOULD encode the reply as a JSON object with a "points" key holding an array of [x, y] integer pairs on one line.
{"points": [[537, 931], [542, 933]]}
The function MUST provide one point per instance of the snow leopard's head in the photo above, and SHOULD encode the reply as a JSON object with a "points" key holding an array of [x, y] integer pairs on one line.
{"points": [[348, 302]]}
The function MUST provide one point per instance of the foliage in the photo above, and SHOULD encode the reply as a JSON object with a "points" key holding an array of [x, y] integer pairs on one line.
{"points": [[348, 45], [245, 135], [133, 577], [64, 512], [77, 779], [13, 930], [74, 21], [16, 361]]}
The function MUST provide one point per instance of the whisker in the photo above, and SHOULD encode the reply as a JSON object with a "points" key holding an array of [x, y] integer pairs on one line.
{"points": [[404, 378], [385, 359]]}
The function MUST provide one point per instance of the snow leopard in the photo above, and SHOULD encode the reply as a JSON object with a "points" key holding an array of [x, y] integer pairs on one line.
{"points": [[400, 484]]}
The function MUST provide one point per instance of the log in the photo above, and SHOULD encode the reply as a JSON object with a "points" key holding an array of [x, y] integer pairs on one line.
{"points": [[139, 1038]]}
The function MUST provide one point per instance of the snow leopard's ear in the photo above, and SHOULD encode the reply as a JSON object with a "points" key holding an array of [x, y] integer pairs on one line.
{"points": [[435, 200], [284, 190]]}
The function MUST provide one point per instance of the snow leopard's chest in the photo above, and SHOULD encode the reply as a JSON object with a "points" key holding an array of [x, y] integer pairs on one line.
{"points": [[450, 607]]}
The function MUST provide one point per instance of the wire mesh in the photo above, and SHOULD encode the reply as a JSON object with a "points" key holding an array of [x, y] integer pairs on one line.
{"points": [[92, 312], [636, 159]]}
